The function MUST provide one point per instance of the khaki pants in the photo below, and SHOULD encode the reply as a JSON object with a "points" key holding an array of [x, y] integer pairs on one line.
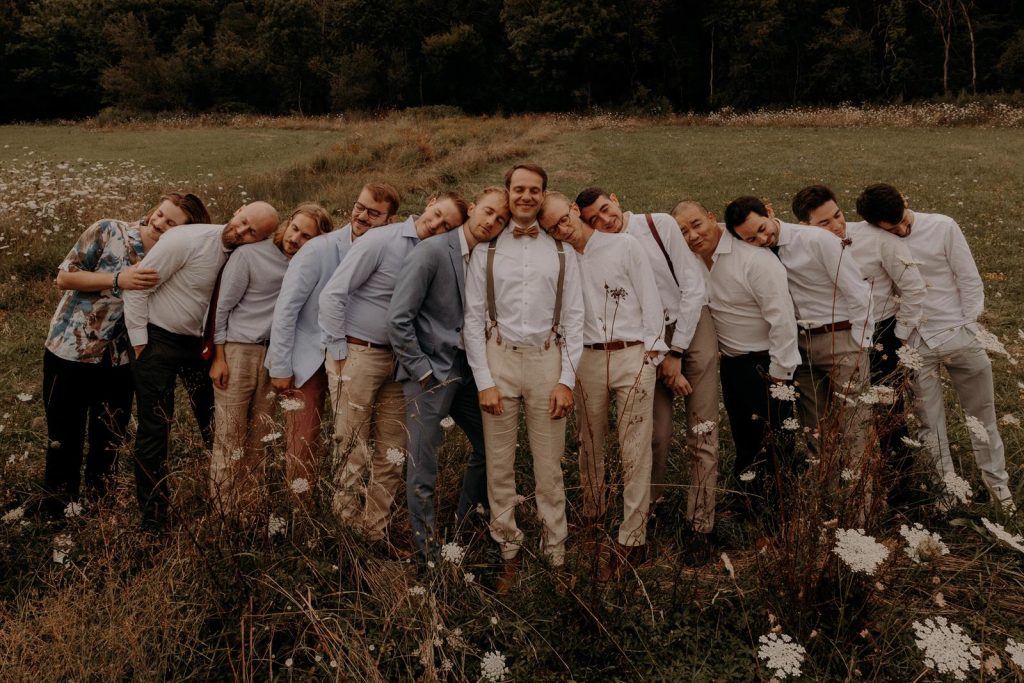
{"points": [[368, 398], [243, 415], [525, 376], [627, 375]]}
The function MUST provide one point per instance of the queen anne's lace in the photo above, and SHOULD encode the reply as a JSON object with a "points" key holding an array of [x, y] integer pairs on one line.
{"points": [[923, 545], [946, 647], [780, 654], [861, 553]]}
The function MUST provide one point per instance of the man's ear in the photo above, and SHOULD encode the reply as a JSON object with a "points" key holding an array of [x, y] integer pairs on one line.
{"points": [[615, 200], [804, 223], [771, 211], [470, 208], [711, 215], [239, 209]]}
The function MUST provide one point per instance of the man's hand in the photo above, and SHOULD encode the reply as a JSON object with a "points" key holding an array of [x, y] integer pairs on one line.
{"points": [[682, 386], [560, 402], [138, 350], [219, 373], [138, 278], [490, 401], [670, 373], [283, 385]]}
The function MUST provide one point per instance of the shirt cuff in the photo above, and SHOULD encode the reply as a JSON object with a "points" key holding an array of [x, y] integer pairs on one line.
{"points": [[568, 378], [779, 372], [902, 331], [138, 336]]}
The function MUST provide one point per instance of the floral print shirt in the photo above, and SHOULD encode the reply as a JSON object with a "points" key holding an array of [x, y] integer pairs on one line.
{"points": [[87, 324]]}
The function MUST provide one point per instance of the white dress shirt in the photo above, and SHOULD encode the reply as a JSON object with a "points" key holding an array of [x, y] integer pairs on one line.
{"points": [[751, 305], [188, 260], [897, 288], [620, 295], [525, 282], [248, 291], [825, 281], [955, 295], [681, 302]]}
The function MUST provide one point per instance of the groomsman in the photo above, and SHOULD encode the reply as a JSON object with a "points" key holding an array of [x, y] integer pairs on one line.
{"points": [[524, 337], [296, 354], [353, 318], [947, 335], [622, 343], [425, 329]]}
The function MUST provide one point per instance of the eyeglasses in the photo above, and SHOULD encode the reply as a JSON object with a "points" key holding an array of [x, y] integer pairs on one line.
{"points": [[372, 213], [562, 222]]}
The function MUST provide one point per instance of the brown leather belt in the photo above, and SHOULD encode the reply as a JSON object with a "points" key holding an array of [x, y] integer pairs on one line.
{"points": [[370, 345], [831, 327], [612, 346]]}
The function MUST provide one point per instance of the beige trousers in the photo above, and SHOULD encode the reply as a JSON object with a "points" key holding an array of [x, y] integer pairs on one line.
{"points": [[628, 376], [369, 398], [243, 415], [525, 376]]}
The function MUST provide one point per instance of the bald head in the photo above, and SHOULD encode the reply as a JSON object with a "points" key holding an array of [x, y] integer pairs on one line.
{"points": [[252, 222]]}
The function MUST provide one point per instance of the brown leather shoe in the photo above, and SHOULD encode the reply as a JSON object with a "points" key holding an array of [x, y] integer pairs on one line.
{"points": [[619, 561], [508, 575]]}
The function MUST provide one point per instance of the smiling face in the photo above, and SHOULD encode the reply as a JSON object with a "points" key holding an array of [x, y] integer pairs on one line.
{"points": [[699, 228], [830, 217], [439, 217], [761, 231], [526, 192], [368, 213], [300, 229], [901, 229], [488, 216], [165, 217], [560, 219], [251, 223], [604, 214]]}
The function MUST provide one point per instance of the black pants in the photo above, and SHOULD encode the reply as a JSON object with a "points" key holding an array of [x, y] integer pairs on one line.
{"points": [[166, 357], [762, 445], [891, 420], [76, 396]]}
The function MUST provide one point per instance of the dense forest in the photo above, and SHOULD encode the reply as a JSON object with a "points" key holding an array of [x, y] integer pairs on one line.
{"points": [[73, 58]]}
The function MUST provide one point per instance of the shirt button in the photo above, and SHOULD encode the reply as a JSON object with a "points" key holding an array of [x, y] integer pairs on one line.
{"points": [[458, 329]]}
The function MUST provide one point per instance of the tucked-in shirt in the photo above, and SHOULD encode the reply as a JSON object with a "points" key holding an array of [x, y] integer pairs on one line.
{"points": [[751, 305], [525, 283], [955, 295], [296, 352], [187, 260], [897, 288], [620, 296], [825, 281], [356, 299], [87, 325], [681, 301], [248, 291]]}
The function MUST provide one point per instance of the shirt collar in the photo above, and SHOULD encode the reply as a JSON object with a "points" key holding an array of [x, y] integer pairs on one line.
{"points": [[462, 241], [785, 233], [409, 227]]}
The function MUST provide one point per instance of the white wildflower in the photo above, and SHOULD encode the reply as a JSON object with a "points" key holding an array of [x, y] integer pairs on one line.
{"points": [[494, 621], [520, 499], [907, 441], [860, 552], [782, 392], [1015, 541], [276, 525], [447, 665], [791, 424], [272, 436], [939, 599], [290, 404], [909, 263], [72, 509], [418, 591], [749, 475], [992, 664], [59, 555], [946, 647], [24, 398], [14, 515], [469, 577], [453, 553], [299, 485], [727, 563], [990, 342], [447, 422], [1016, 652], [910, 358], [878, 395], [847, 474], [705, 427], [395, 456], [976, 427], [492, 666], [289, 662], [237, 454], [922, 545], [958, 487], [1009, 420], [781, 655]]}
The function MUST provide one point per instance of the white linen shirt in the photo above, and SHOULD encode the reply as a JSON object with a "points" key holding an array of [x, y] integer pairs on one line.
{"points": [[955, 295], [681, 302], [897, 288], [620, 296], [248, 291], [525, 282], [187, 260], [751, 305], [825, 281]]}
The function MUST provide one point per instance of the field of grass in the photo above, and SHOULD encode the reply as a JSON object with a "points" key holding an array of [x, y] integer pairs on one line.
{"points": [[216, 600]]}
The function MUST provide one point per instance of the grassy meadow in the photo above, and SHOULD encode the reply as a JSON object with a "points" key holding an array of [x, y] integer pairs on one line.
{"points": [[295, 597]]}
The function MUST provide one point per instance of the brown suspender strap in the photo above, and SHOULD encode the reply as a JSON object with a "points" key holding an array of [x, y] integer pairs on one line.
{"points": [[657, 238], [557, 318], [492, 308]]}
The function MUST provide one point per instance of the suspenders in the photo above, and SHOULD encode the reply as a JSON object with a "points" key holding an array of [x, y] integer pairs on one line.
{"points": [[492, 308]]}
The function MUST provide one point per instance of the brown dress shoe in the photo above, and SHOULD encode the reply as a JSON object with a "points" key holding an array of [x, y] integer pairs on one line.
{"points": [[619, 561], [508, 574]]}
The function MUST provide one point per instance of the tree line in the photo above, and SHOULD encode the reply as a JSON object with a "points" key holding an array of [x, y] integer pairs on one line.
{"points": [[72, 58]]}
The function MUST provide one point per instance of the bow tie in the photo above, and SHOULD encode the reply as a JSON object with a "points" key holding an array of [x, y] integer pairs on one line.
{"points": [[531, 231]]}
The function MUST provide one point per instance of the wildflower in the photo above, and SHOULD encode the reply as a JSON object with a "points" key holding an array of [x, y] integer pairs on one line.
{"points": [[976, 428], [520, 499], [956, 486], [418, 591], [494, 621], [791, 424], [992, 664], [290, 404], [939, 599], [847, 474], [447, 422], [861, 553], [727, 563], [59, 555], [749, 475], [1016, 652], [14, 515], [782, 392], [452, 552], [492, 666], [990, 342], [946, 647], [910, 358], [469, 577], [334, 663], [300, 485], [24, 398], [237, 454], [272, 436], [1009, 420], [781, 654], [395, 456], [446, 665], [72, 509], [705, 427], [909, 263], [922, 545], [276, 525], [1015, 541], [289, 662], [910, 442], [878, 395]]}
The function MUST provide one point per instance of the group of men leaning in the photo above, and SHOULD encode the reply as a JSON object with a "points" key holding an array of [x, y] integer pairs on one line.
{"points": [[527, 301]]}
